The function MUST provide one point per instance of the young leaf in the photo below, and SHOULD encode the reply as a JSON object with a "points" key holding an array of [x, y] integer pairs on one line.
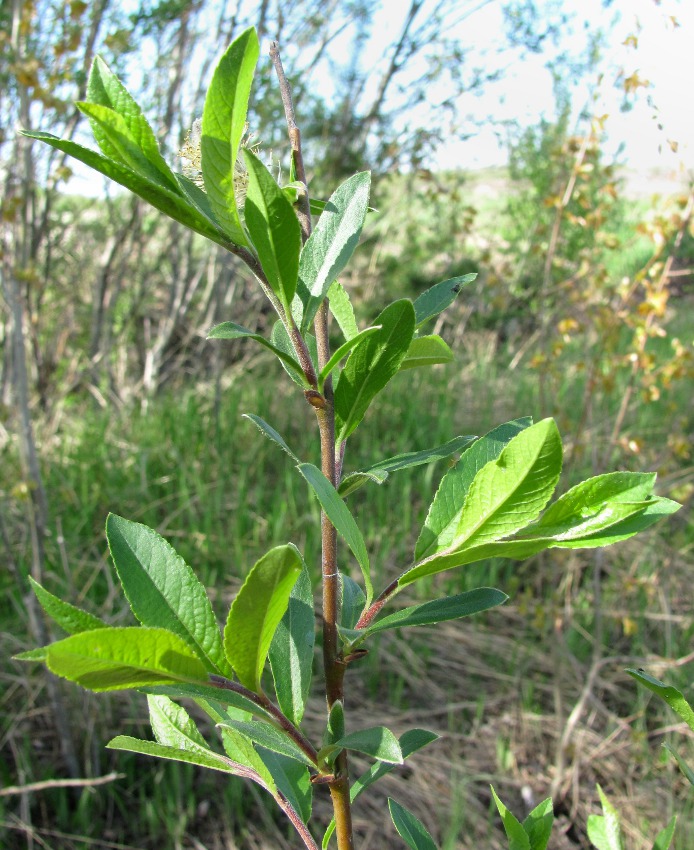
{"points": [[410, 742], [342, 310], [339, 515], [538, 825], [410, 829], [427, 351], [441, 610], [38, 654], [162, 589], [671, 695], [291, 651], [352, 602], [683, 766], [204, 758], [112, 659], [371, 365], [603, 830], [292, 780], [575, 513], [282, 342], [355, 480], [257, 610], [505, 495], [209, 693], [664, 838], [377, 742], [517, 837], [124, 148], [71, 619], [240, 749], [173, 726], [270, 432], [603, 525], [380, 471], [223, 123], [441, 520], [435, 300], [270, 737], [173, 204], [335, 727], [343, 351], [106, 90], [230, 330], [274, 229], [332, 243]]}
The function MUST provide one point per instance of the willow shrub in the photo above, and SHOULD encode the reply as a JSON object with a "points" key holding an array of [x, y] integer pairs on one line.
{"points": [[253, 678]]}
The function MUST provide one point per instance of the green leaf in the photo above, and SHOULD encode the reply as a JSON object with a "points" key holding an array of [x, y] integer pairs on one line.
{"points": [[274, 229], [38, 654], [339, 515], [71, 619], [270, 432], [173, 726], [355, 480], [206, 758], [257, 610], [291, 651], [342, 310], [636, 517], [445, 509], [684, 767], [665, 836], [334, 729], [410, 742], [168, 201], [505, 495], [352, 603], [332, 243], [671, 695], [343, 351], [427, 351], [162, 589], [209, 694], [104, 89], [230, 330], [112, 659], [282, 342], [270, 737], [441, 610], [292, 780], [380, 471], [517, 837], [538, 825], [603, 830], [240, 749], [124, 148], [371, 365], [223, 123], [435, 300], [410, 829], [377, 742]]}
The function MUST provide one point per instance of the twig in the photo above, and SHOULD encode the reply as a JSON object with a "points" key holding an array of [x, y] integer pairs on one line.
{"points": [[304, 206], [59, 783]]}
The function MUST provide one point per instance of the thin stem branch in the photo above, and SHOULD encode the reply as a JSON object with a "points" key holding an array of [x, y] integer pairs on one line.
{"points": [[304, 206], [325, 413], [263, 702]]}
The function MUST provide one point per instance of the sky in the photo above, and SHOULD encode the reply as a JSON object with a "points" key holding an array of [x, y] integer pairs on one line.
{"points": [[644, 40], [662, 113]]}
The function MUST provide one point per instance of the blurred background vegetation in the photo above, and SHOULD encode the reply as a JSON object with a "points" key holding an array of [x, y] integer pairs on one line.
{"points": [[112, 399]]}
